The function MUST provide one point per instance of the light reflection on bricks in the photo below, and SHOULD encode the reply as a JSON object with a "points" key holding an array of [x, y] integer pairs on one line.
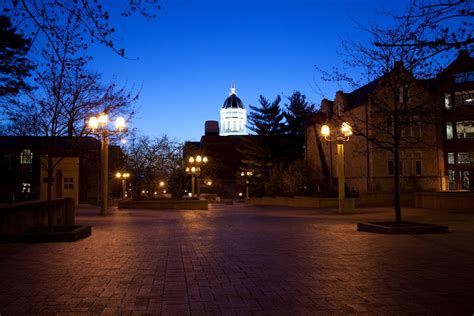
{"points": [[240, 260]]}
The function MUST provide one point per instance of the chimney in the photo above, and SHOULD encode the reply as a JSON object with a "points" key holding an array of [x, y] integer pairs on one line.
{"points": [[211, 128]]}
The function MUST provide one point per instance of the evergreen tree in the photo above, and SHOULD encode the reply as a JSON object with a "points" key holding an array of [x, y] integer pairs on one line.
{"points": [[262, 150], [267, 119], [296, 113], [15, 66]]}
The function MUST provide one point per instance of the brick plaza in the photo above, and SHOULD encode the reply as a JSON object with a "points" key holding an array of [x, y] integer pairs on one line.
{"points": [[238, 259]]}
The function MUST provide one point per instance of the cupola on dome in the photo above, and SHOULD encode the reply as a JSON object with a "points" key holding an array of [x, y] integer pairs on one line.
{"points": [[233, 101]]}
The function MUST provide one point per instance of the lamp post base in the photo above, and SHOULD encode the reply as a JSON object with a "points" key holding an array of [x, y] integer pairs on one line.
{"points": [[347, 206]]}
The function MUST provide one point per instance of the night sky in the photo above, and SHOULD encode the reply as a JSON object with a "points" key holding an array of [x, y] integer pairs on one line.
{"points": [[189, 54]]}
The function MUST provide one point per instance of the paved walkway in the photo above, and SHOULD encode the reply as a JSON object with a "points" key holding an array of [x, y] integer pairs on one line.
{"points": [[243, 260]]}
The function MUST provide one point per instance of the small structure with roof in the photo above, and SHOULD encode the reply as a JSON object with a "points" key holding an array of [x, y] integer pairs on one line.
{"points": [[233, 115]]}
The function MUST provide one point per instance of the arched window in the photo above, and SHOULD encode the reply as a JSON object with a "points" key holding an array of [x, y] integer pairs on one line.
{"points": [[26, 157]]}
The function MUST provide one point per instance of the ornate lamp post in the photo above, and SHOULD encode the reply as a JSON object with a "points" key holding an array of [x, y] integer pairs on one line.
{"points": [[194, 169], [123, 177], [98, 125], [342, 135], [247, 175]]}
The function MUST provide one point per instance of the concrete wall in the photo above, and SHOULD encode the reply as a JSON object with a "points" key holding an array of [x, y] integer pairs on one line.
{"points": [[445, 200], [17, 217]]}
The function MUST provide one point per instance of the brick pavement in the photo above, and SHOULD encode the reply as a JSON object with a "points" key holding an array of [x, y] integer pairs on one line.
{"points": [[235, 260]]}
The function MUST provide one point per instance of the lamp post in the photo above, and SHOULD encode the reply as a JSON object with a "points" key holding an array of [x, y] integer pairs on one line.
{"points": [[247, 175], [98, 125], [123, 177], [194, 169], [342, 135]]}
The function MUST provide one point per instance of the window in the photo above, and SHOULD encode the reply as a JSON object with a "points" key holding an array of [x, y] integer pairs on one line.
{"points": [[450, 158], [449, 130], [447, 101], [26, 157], [451, 179], [465, 129], [418, 167], [465, 180], [464, 98], [26, 188], [391, 168], [465, 157], [68, 183]]}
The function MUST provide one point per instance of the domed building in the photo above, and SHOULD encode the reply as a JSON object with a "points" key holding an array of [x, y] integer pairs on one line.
{"points": [[233, 115]]}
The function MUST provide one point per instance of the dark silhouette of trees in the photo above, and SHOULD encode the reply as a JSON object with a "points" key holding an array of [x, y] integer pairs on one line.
{"points": [[15, 67], [437, 26], [151, 160]]}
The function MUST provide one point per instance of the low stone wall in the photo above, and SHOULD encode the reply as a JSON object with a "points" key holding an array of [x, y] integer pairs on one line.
{"points": [[298, 201], [174, 204], [17, 217], [445, 200], [365, 199], [384, 199]]}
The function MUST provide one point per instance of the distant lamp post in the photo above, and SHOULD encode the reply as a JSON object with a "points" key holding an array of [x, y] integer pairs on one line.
{"points": [[342, 135], [247, 175], [98, 125], [194, 168], [123, 177]]}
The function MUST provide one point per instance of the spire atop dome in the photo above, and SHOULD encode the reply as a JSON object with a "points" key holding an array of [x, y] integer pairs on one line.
{"points": [[232, 88]]}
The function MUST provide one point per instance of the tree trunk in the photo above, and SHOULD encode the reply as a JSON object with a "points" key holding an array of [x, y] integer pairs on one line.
{"points": [[49, 164], [396, 180]]}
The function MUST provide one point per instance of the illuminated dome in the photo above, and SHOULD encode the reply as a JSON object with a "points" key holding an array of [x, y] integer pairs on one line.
{"points": [[233, 115], [233, 102]]}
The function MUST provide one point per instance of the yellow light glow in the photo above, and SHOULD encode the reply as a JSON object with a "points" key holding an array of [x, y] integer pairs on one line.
{"points": [[204, 159], [325, 131], [191, 159], [242, 174], [93, 122], [193, 169], [198, 158], [162, 184], [103, 119], [156, 193], [118, 175], [164, 191], [190, 194], [209, 183], [240, 194], [346, 129], [126, 175], [187, 169], [120, 123]]}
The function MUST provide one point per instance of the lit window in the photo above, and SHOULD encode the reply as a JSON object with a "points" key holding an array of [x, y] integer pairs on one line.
{"points": [[451, 179], [465, 180], [447, 101], [26, 157], [450, 158], [465, 157], [449, 130], [464, 98], [465, 129], [26, 188]]}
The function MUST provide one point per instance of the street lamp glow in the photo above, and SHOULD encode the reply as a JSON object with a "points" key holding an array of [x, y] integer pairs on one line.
{"points": [[325, 131], [346, 129], [93, 122], [162, 184], [120, 123], [118, 175], [193, 169], [191, 159], [103, 119], [204, 159], [126, 175], [198, 158]]}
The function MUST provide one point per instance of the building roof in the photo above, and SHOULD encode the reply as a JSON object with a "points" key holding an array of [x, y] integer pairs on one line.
{"points": [[361, 95]]}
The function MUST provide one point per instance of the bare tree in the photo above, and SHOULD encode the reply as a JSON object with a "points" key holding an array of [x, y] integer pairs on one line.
{"points": [[399, 102], [48, 20], [150, 160], [438, 26]]}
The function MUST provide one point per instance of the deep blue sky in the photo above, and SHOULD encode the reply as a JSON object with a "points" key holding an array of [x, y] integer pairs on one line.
{"points": [[191, 52]]}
